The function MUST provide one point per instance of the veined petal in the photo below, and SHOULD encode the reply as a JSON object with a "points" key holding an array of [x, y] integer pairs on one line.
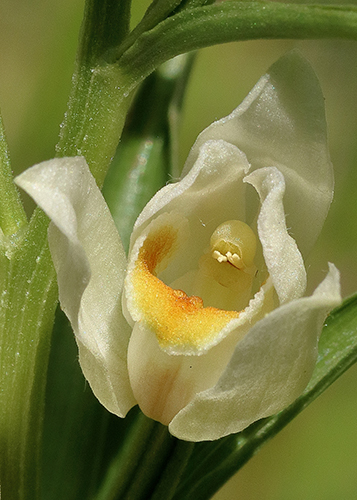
{"points": [[90, 265], [269, 369], [282, 123], [163, 384], [282, 257]]}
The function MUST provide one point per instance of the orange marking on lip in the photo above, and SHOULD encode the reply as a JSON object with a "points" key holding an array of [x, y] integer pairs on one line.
{"points": [[176, 318]]}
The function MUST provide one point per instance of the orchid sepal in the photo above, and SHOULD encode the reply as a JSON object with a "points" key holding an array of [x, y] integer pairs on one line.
{"points": [[90, 272]]}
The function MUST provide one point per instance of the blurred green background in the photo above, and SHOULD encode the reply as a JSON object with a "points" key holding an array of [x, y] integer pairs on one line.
{"points": [[315, 457]]}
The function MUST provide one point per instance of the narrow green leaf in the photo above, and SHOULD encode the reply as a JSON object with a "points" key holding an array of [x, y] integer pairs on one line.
{"points": [[149, 465], [192, 4], [75, 424], [231, 21], [158, 10], [12, 214], [28, 299], [158, 449], [212, 464]]}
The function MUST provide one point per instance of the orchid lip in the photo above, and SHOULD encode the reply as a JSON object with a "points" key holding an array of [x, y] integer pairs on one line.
{"points": [[180, 322]]}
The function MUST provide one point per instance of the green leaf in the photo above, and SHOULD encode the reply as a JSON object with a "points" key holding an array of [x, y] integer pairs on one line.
{"points": [[192, 4], [75, 424], [230, 21], [158, 10], [28, 300], [12, 214], [212, 464], [80, 436]]}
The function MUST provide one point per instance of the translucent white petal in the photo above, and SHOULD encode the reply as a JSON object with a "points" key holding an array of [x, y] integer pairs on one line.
{"points": [[282, 257], [282, 123], [210, 194], [90, 265], [269, 369]]}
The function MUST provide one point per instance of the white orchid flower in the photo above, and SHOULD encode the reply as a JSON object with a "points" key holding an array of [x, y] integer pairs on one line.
{"points": [[205, 326]]}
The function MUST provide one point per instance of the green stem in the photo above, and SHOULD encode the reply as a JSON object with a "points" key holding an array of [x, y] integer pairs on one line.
{"points": [[101, 93], [106, 23], [104, 90], [157, 452], [149, 465], [231, 21], [157, 11], [121, 472], [172, 474], [99, 98]]}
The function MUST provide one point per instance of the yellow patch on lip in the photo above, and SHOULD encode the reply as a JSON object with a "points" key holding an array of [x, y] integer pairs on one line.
{"points": [[176, 318]]}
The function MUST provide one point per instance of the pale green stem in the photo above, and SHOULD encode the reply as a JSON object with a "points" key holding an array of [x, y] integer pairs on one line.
{"points": [[231, 21]]}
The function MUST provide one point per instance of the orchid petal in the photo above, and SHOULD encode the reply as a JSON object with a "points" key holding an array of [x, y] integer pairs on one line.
{"points": [[269, 369], [282, 123], [212, 192], [90, 265], [281, 255]]}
